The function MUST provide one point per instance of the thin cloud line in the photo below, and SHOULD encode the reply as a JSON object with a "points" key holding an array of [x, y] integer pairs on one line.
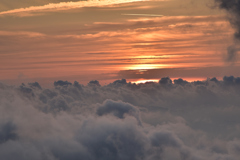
{"points": [[66, 6], [150, 15]]}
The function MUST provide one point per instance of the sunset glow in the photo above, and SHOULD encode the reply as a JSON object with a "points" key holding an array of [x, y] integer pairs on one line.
{"points": [[53, 7], [131, 39], [145, 81], [146, 66], [189, 79]]}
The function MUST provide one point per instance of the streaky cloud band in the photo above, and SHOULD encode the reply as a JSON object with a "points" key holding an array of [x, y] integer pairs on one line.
{"points": [[145, 15], [52, 7]]}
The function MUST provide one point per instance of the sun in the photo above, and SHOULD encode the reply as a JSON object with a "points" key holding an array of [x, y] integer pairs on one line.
{"points": [[145, 81], [147, 62], [146, 66]]}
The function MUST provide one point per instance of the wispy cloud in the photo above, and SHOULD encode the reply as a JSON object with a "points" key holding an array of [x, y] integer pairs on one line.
{"points": [[64, 6], [191, 41], [21, 33], [143, 15]]}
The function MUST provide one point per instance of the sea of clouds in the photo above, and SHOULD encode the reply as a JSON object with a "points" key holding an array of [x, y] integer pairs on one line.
{"points": [[121, 121]]}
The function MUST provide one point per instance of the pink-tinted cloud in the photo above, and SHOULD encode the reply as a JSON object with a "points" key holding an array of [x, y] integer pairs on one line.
{"points": [[105, 47], [52, 7], [21, 33]]}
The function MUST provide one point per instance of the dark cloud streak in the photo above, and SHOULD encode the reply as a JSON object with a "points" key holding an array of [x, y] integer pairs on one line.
{"points": [[233, 9]]}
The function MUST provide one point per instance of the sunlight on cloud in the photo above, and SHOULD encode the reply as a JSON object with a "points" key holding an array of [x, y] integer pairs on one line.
{"points": [[21, 33], [145, 81], [65, 6], [146, 66], [145, 15]]}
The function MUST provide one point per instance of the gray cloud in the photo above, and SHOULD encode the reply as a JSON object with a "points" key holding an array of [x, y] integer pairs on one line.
{"points": [[7, 132], [232, 53], [197, 120], [119, 109], [233, 9]]}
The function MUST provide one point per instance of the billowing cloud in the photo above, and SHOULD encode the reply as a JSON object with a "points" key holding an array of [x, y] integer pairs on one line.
{"points": [[119, 109], [197, 120]]}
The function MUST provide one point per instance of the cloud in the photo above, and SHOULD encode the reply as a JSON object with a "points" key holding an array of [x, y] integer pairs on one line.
{"points": [[233, 9], [180, 81], [22, 33], [119, 109], [62, 83], [178, 72], [94, 83], [7, 132], [73, 121], [53, 7], [165, 80], [232, 53], [143, 15]]}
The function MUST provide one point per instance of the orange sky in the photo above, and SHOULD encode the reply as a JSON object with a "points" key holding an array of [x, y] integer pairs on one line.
{"points": [[108, 40]]}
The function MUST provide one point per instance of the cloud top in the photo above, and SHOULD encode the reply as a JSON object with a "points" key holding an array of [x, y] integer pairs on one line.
{"points": [[171, 119]]}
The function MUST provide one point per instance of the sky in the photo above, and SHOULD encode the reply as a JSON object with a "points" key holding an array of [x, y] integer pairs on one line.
{"points": [[106, 40]]}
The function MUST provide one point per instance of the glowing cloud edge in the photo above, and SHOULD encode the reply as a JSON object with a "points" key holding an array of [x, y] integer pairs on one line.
{"points": [[51, 7]]}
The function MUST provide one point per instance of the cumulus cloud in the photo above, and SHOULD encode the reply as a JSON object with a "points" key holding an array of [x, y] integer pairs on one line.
{"points": [[171, 119], [118, 109]]}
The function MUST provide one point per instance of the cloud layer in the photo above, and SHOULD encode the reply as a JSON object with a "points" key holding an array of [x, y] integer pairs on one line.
{"points": [[151, 121]]}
